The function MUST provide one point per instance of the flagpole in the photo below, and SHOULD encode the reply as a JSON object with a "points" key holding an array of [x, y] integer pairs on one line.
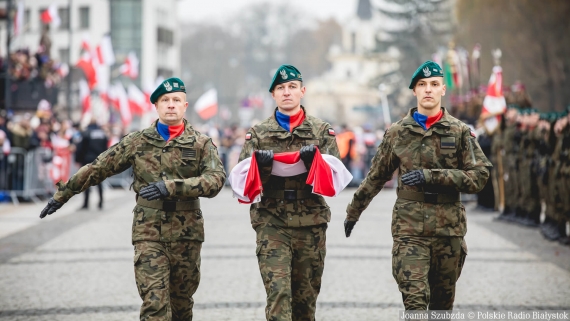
{"points": [[7, 85], [70, 37]]}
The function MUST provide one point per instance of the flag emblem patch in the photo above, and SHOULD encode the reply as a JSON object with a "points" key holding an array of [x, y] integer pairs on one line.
{"points": [[331, 132], [248, 136]]}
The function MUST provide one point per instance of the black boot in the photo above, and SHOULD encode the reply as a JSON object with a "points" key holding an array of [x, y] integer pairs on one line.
{"points": [[549, 230]]}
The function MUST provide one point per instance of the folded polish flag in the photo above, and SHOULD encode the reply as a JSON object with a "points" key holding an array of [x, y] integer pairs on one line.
{"points": [[327, 175]]}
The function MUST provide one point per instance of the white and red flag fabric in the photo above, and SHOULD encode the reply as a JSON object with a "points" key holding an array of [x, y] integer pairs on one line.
{"points": [[86, 64], [104, 52], [494, 103], [131, 66], [50, 16], [327, 175], [138, 103], [207, 105], [119, 96], [84, 96], [19, 18]]}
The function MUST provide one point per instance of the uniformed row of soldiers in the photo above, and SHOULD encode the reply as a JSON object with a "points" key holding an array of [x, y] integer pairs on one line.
{"points": [[436, 155], [534, 149]]}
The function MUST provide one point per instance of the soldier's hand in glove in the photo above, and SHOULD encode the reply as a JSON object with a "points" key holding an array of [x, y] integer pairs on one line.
{"points": [[348, 226], [413, 178], [51, 207], [308, 154], [154, 191], [264, 157]]}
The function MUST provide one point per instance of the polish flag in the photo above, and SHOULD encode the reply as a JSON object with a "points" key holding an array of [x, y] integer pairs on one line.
{"points": [[50, 16], [84, 96], [207, 105], [327, 175], [85, 42], [138, 104], [122, 100], [86, 64], [104, 51], [494, 103], [131, 66], [19, 18]]}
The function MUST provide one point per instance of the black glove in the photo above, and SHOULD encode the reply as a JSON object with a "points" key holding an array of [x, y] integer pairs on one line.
{"points": [[51, 207], [348, 226], [154, 191], [414, 178], [264, 157], [307, 154]]}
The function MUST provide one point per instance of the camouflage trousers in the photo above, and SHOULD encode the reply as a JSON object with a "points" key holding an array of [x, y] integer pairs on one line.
{"points": [[167, 275], [426, 269], [291, 262]]}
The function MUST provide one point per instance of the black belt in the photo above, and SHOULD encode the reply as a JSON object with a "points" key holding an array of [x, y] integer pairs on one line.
{"points": [[432, 198], [170, 206], [288, 194]]}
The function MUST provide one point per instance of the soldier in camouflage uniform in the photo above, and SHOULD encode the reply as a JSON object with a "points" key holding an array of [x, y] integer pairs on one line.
{"points": [[436, 163], [290, 221], [173, 165], [509, 163]]}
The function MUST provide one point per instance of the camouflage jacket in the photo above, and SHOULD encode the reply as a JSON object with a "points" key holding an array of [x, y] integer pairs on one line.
{"points": [[452, 162], [189, 164], [269, 135]]}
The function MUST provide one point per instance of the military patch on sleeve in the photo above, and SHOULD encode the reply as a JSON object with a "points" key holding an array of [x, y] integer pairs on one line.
{"points": [[473, 133], [248, 136], [331, 132], [448, 142], [188, 153]]}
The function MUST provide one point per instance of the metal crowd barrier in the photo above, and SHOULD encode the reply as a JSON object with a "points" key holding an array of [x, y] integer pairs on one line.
{"points": [[25, 174]]}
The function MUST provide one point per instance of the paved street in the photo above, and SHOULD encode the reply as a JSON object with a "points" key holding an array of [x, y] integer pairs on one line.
{"points": [[78, 265]]}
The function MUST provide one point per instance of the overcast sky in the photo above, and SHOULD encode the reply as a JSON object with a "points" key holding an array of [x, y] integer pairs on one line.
{"points": [[217, 10]]}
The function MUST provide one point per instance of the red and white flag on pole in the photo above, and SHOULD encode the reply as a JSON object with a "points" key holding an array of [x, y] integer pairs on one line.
{"points": [[207, 105], [105, 53], [19, 18], [121, 98], [494, 103], [327, 175], [50, 15], [84, 96], [131, 66], [86, 64], [138, 103]]}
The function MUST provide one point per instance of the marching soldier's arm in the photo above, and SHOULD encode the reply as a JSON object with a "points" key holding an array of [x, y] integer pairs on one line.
{"points": [[474, 174], [250, 146], [328, 143], [211, 179], [383, 166], [114, 160]]}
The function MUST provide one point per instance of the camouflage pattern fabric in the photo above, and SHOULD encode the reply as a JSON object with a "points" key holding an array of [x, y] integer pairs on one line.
{"points": [[529, 200], [166, 242], [427, 269], [290, 233], [167, 275], [452, 162], [189, 165], [291, 262], [509, 167]]}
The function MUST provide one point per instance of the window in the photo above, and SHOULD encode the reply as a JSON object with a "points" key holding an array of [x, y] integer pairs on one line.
{"points": [[164, 36], [64, 17], [64, 54], [84, 18]]}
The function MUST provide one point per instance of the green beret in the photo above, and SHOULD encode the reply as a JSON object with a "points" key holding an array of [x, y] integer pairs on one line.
{"points": [[170, 85], [285, 73], [426, 70]]}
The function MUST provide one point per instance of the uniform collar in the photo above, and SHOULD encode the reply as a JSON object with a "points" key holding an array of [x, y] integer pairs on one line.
{"points": [[410, 121], [152, 133]]}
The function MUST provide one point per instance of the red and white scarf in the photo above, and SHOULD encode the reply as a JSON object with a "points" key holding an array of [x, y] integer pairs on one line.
{"points": [[327, 175]]}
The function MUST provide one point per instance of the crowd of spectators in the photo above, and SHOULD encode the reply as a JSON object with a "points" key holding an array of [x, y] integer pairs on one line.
{"points": [[27, 66]]}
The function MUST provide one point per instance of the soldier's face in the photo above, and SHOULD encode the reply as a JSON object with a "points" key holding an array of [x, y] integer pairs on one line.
{"points": [[288, 95], [171, 108], [429, 91]]}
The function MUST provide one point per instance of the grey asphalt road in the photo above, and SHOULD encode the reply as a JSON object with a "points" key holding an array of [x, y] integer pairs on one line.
{"points": [[78, 265]]}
